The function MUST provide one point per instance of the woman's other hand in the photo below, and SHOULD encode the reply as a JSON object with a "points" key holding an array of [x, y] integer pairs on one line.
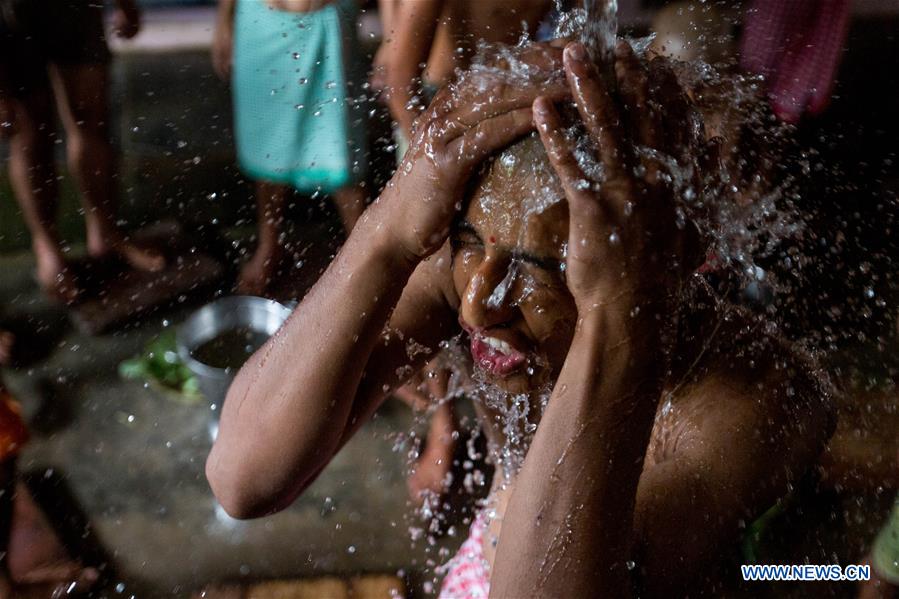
{"points": [[630, 242], [465, 124]]}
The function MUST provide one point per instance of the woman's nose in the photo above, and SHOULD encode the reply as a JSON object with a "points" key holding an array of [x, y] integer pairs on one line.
{"points": [[488, 298]]}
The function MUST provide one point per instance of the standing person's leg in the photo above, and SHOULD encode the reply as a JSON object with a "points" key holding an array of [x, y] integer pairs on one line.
{"points": [[32, 174], [432, 469], [350, 203], [257, 273], [430, 473], [80, 91]]}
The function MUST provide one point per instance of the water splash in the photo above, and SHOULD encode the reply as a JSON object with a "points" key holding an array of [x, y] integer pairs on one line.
{"points": [[600, 29]]}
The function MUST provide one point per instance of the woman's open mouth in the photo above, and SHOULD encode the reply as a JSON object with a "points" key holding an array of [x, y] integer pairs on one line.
{"points": [[495, 356]]}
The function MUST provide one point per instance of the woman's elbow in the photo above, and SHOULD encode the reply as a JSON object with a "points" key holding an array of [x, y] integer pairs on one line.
{"points": [[234, 491]]}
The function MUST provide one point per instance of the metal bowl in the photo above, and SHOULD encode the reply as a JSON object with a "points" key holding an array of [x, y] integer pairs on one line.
{"points": [[240, 311]]}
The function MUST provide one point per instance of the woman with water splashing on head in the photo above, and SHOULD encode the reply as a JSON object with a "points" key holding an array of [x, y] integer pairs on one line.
{"points": [[638, 424]]}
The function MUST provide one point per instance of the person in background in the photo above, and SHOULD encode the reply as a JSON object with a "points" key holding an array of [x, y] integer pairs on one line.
{"points": [[54, 52], [292, 67], [795, 45], [430, 475], [443, 36]]}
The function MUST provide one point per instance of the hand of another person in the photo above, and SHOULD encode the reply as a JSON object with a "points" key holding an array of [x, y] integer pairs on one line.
{"points": [[299, 5], [222, 49], [466, 122], [629, 241], [126, 20], [379, 65]]}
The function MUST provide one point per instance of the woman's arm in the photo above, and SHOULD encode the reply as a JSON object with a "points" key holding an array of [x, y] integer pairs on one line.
{"points": [[287, 409], [568, 530], [583, 519], [300, 396]]}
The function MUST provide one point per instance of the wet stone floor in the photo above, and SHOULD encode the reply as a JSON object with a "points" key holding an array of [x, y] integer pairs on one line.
{"points": [[131, 458]]}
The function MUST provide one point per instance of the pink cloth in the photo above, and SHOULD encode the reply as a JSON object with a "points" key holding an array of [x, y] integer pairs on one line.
{"points": [[796, 45], [468, 575]]}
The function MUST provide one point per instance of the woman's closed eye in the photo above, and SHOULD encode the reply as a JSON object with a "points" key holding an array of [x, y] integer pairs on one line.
{"points": [[465, 238], [544, 269]]}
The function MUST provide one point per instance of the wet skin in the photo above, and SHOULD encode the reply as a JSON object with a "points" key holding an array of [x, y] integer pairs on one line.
{"points": [[508, 273], [615, 470]]}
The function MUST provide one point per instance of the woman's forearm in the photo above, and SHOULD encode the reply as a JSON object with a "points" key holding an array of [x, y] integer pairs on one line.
{"points": [[568, 528], [287, 410]]}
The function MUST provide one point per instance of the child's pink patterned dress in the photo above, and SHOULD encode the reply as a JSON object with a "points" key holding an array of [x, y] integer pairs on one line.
{"points": [[468, 575]]}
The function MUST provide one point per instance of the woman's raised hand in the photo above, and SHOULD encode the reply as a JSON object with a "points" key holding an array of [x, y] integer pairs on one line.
{"points": [[466, 123], [629, 240]]}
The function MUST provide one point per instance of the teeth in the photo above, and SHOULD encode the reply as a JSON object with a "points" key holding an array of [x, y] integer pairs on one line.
{"points": [[498, 345]]}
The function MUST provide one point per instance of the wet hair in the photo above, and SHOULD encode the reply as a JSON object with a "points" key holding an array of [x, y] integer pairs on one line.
{"points": [[527, 161]]}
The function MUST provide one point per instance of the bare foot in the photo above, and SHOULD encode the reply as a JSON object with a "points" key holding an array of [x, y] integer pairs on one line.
{"points": [[7, 341], [431, 475], [104, 239], [133, 254], [140, 258], [257, 274], [55, 277]]}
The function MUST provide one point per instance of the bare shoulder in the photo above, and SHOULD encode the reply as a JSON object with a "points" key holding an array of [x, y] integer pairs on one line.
{"points": [[735, 381]]}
